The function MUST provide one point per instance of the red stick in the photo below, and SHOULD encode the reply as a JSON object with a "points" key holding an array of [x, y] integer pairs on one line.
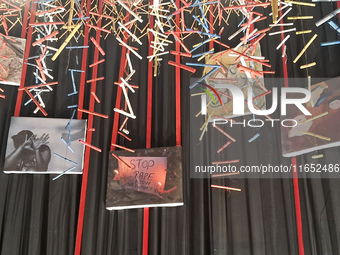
{"points": [[129, 139], [226, 162], [90, 146], [99, 28], [39, 86], [180, 41], [94, 113], [224, 146], [122, 147], [43, 77], [225, 133], [95, 97], [45, 38], [96, 63], [123, 124], [182, 54], [121, 160], [47, 23], [190, 69], [95, 79], [98, 46], [36, 102]]}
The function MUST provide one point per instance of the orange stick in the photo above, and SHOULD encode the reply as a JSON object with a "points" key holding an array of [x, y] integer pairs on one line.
{"points": [[222, 68], [43, 53], [182, 54], [224, 146], [99, 28], [123, 124], [261, 95], [43, 77], [121, 160], [247, 6], [94, 113], [40, 85], [225, 133], [95, 97], [45, 38], [96, 63], [3, 68], [2, 96], [47, 23], [96, 79], [132, 86], [50, 10], [36, 102], [226, 162], [101, 15], [190, 69], [129, 139], [181, 43], [91, 146], [97, 46], [122, 147]]}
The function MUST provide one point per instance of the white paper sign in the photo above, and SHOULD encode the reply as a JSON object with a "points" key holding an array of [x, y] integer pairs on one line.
{"points": [[147, 174]]}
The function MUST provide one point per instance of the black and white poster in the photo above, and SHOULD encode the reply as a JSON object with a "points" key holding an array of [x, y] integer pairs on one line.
{"points": [[45, 145]]}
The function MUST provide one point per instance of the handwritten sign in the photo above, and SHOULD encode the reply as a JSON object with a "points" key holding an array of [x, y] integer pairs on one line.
{"points": [[147, 174]]}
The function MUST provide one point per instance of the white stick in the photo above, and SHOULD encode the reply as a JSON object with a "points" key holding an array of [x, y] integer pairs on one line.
{"points": [[283, 41], [127, 85], [283, 31], [127, 46], [129, 10], [129, 32], [129, 62]]}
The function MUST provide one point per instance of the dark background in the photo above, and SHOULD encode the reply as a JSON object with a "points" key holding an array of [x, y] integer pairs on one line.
{"points": [[39, 216]]}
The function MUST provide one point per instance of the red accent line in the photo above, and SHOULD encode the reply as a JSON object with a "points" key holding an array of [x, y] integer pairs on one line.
{"points": [[178, 85], [25, 19], [84, 64], [148, 132], [295, 175], [298, 207], [24, 66], [88, 140]]}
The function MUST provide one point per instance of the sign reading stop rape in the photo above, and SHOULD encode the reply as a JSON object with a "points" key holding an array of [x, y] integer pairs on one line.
{"points": [[147, 174]]}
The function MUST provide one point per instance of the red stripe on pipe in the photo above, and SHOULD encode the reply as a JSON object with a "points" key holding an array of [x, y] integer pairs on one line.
{"points": [[87, 150], [25, 19], [295, 175], [24, 66], [84, 64], [298, 207], [148, 133], [178, 85]]}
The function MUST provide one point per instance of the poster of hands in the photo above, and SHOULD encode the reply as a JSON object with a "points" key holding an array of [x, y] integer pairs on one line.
{"points": [[43, 145]]}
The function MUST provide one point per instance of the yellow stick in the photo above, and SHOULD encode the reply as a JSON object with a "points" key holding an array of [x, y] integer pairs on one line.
{"points": [[66, 42], [308, 65], [300, 3], [303, 32], [317, 136], [300, 17], [317, 156], [71, 14], [314, 118], [305, 48]]}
